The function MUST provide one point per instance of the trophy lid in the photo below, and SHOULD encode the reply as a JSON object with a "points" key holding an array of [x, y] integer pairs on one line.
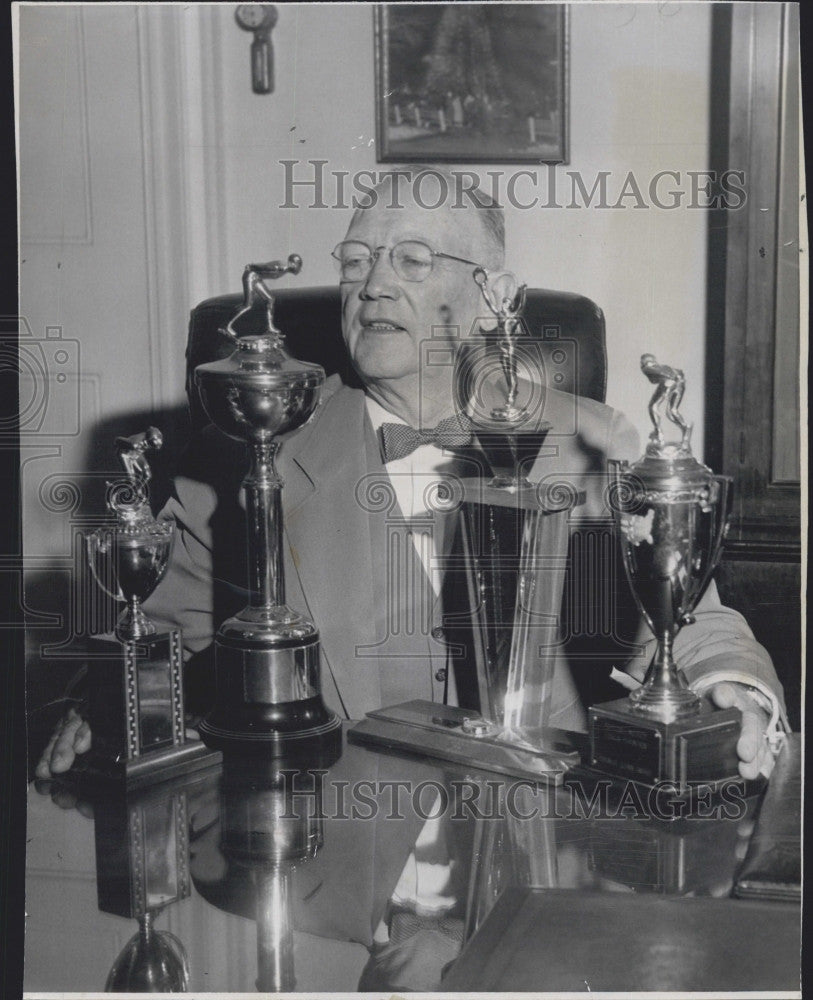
{"points": [[262, 358], [666, 471], [139, 521], [669, 465]]}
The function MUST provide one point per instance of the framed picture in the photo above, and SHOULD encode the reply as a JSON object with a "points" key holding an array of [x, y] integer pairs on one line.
{"points": [[477, 83]]}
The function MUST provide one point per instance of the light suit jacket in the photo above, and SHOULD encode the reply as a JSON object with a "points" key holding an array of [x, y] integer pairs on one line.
{"points": [[335, 569]]}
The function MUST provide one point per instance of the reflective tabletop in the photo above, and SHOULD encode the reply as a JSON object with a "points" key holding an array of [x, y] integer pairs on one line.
{"points": [[370, 872]]}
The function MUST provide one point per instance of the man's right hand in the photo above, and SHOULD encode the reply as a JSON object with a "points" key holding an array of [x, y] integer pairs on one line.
{"points": [[71, 737]]}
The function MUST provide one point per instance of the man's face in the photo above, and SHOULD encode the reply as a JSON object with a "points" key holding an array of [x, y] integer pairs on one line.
{"points": [[385, 319]]}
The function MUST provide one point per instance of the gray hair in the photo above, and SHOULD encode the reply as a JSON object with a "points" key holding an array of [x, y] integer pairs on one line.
{"points": [[491, 212]]}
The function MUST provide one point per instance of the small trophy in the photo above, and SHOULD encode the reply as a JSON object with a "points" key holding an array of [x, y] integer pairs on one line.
{"points": [[135, 676], [514, 537], [671, 513], [267, 657], [142, 868]]}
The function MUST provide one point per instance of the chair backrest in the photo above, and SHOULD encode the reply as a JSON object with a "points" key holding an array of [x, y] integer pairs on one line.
{"points": [[568, 329]]}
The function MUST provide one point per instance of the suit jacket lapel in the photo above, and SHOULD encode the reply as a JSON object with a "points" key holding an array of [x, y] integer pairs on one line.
{"points": [[329, 537]]}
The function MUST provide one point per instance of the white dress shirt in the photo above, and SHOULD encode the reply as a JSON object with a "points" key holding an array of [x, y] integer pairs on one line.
{"points": [[414, 478]]}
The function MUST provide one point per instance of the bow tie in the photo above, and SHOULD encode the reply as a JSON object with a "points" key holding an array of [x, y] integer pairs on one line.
{"points": [[400, 440]]}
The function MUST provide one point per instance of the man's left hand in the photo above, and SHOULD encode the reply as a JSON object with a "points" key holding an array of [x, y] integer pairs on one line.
{"points": [[752, 747]]}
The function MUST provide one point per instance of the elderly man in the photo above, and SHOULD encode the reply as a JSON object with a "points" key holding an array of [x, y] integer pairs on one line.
{"points": [[408, 280]]}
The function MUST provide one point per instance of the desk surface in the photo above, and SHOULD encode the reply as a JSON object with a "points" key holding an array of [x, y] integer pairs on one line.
{"points": [[262, 889]]}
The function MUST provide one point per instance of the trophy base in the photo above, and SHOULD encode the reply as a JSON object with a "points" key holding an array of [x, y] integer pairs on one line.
{"points": [[700, 750], [662, 805], [268, 694], [255, 772], [464, 737], [97, 769], [665, 849], [290, 729], [136, 714]]}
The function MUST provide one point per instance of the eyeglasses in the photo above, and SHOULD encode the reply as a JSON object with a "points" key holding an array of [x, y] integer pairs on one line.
{"points": [[411, 260]]}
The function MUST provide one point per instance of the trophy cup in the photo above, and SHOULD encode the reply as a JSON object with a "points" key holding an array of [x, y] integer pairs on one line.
{"points": [[672, 513], [514, 550], [267, 657], [135, 676]]}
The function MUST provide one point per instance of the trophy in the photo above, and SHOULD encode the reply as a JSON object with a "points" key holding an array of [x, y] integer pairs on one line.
{"points": [[514, 535], [671, 857], [267, 657], [269, 829], [520, 850], [142, 869], [671, 513], [135, 675]]}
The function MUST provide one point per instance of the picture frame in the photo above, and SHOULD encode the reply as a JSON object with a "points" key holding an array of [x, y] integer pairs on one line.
{"points": [[472, 83]]}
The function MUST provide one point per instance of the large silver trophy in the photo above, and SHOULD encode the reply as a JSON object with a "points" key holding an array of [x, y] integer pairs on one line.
{"points": [[269, 830], [267, 657], [671, 513], [514, 536], [135, 675]]}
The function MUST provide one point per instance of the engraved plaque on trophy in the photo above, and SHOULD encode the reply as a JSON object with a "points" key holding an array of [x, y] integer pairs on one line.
{"points": [[671, 513], [514, 535], [267, 657], [135, 675]]}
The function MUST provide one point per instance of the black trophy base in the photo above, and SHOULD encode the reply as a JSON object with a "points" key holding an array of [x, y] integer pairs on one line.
{"points": [[101, 770], [446, 733], [698, 751], [285, 730], [136, 714]]}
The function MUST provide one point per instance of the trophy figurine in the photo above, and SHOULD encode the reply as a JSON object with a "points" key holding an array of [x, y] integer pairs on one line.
{"points": [[267, 657], [507, 313], [514, 536], [135, 675], [671, 513]]}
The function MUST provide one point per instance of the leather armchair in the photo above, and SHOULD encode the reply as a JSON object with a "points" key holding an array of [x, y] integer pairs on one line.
{"points": [[569, 328]]}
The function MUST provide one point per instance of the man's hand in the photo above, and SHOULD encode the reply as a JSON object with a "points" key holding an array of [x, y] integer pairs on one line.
{"points": [[752, 747], [65, 798], [71, 737]]}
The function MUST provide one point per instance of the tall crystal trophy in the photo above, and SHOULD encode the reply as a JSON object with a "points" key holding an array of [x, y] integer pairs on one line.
{"points": [[135, 675], [514, 535], [671, 513], [267, 657]]}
